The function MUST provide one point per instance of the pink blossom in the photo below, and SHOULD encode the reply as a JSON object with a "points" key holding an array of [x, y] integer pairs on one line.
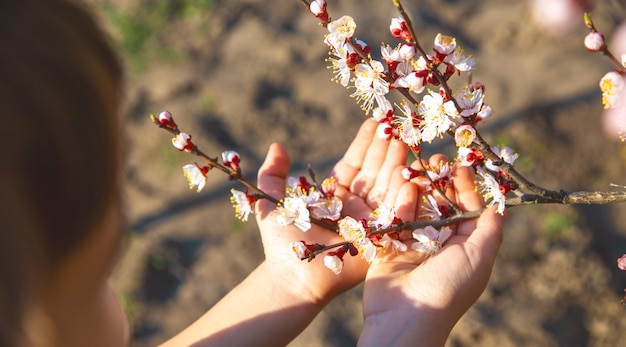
{"points": [[621, 262], [594, 41]]}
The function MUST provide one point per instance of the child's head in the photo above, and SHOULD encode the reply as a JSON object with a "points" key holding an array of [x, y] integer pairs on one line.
{"points": [[60, 87]]}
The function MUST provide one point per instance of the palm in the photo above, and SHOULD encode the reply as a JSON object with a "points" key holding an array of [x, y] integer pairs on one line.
{"points": [[365, 175], [452, 279]]}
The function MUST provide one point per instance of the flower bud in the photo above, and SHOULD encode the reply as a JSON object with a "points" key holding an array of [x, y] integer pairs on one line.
{"points": [[318, 8], [182, 142], [231, 159], [384, 131], [399, 29], [594, 41], [409, 173], [166, 119], [621, 263], [364, 46]]}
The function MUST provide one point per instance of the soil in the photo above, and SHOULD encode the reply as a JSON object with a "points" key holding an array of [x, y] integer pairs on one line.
{"points": [[248, 73]]}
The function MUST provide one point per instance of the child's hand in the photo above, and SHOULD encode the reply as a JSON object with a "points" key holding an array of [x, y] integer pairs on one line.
{"points": [[409, 298], [364, 175]]}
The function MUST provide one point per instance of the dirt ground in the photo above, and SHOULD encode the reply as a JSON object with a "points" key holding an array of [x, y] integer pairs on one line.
{"points": [[247, 73]]}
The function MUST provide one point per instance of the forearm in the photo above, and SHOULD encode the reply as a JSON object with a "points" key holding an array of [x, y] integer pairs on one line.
{"points": [[260, 311], [407, 328]]}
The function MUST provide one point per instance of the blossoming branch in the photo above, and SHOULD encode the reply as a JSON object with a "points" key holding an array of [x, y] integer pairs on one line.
{"points": [[429, 111]]}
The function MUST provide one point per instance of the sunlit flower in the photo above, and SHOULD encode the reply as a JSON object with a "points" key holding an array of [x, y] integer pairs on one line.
{"points": [[329, 185], [340, 31], [242, 202], [470, 100], [298, 187], [382, 217], [485, 112], [196, 175], [594, 41], [506, 153], [351, 229], [438, 116], [407, 51], [369, 83], [430, 208], [367, 249], [412, 81], [439, 175], [391, 245], [611, 85], [300, 250], [459, 60], [464, 135], [491, 192], [469, 157], [327, 208], [390, 55], [182, 142], [444, 44], [292, 210], [430, 240], [341, 71], [383, 111], [334, 263], [408, 123]]}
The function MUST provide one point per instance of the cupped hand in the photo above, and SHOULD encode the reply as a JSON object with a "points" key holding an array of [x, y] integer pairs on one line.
{"points": [[431, 294], [364, 176]]}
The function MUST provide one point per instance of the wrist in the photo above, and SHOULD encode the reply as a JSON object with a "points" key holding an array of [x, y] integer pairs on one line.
{"points": [[289, 287], [406, 327]]}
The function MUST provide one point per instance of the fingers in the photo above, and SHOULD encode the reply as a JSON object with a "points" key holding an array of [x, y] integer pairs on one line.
{"points": [[390, 173], [467, 196], [348, 167], [487, 235], [272, 175], [407, 201], [368, 168]]}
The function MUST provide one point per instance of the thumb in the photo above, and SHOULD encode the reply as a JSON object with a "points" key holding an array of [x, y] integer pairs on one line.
{"points": [[272, 176], [487, 235]]}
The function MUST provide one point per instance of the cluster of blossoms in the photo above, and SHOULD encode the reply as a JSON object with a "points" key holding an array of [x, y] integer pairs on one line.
{"points": [[304, 201], [378, 234], [381, 233], [407, 68]]}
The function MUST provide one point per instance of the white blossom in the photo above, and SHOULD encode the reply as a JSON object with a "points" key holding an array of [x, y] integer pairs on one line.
{"points": [[293, 210], [334, 263], [242, 204], [429, 239], [195, 176]]}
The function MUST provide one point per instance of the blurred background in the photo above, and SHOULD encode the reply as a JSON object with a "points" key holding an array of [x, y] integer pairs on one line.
{"points": [[241, 74]]}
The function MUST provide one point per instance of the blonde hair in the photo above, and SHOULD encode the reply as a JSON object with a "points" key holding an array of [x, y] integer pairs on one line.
{"points": [[60, 84]]}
